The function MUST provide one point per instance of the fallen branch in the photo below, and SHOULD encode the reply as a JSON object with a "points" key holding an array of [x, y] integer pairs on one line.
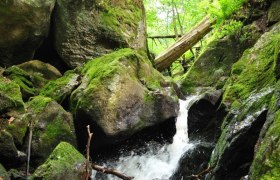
{"points": [[29, 147], [88, 151], [202, 173], [110, 171], [165, 37]]}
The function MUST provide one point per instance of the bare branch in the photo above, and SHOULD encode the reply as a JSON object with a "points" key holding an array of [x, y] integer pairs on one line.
{"points": [[165, 36], [88, 151], [110, 171]]}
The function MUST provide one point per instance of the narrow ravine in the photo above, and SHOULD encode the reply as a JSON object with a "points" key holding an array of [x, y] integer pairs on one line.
{"points": [[159, 161]]}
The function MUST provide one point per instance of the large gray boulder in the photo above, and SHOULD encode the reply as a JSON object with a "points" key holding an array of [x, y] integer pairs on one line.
{"points": [[119, 95], [24, 25], [85, 29]]}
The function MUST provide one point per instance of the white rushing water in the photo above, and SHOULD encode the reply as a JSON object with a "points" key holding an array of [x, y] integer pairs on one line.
{"points": [[160, 161]]}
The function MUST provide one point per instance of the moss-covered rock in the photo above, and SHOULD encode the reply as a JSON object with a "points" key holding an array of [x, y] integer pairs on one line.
{"points": [[248, 95], [213, 66], [256, 69], [61, 88], [10, 95], [273, 12], [267, 156], [63, 163], [51, 124], [89, 29], [121, 93], [38, 68], [23, 26], [31, 76]]}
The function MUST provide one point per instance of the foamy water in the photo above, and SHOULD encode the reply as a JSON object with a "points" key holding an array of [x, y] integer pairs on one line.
{"points": [[159, 161]]}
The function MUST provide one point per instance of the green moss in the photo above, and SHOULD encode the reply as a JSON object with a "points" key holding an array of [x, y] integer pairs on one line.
{"points": [[22, 78], [61, 88], [61, 164], [255, 70], [10, 95], [38, 103], [266, 161], [127, 12]]}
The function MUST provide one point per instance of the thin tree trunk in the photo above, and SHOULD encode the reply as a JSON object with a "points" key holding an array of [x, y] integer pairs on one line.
{"points": [[166, 58]]}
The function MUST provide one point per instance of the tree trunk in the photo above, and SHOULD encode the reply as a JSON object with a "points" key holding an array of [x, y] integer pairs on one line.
{"points": [[166, 58]]}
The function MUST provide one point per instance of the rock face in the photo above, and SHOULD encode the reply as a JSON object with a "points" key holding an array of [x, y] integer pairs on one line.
{"points": [[265, 164], [121, 94], [63, 163], [254, 72], [24, 26], [213, 66], [89, 29]]}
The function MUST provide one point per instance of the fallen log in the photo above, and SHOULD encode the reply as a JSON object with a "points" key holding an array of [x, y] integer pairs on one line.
{"points": [[183, 44]]}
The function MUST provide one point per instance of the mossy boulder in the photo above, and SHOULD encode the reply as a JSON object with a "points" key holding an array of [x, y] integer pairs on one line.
{"points": [[120, 94], [213, 66], [24, 25], [61, 88], [31, 76], [65, 162], [10, 95], [267, 151], [38, 68], [89, 29], [273, 12], [51, 124]]}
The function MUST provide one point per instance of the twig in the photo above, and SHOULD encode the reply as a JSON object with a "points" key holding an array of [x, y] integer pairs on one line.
{"points": [[88, 150], [110, 171], [29, 147], [202, 173]]}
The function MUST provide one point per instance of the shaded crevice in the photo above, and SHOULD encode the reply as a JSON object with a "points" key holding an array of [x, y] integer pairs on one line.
{"points": [[47, 52]]}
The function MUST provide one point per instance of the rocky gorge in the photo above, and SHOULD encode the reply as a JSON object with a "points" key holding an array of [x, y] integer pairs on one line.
{"points": [[69, 64]]}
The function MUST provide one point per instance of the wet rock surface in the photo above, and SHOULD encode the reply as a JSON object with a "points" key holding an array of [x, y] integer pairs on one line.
{"points": [[205, 117]]}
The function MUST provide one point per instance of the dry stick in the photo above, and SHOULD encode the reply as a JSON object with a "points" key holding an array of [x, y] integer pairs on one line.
{"points": [[88, 149], [203, 172], [29, 147], [110, 171]]}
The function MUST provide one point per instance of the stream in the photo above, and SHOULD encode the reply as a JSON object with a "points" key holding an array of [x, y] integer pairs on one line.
{"points": [[158, 161]]}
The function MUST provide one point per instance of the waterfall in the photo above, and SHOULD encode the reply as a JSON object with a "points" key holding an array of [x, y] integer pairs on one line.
{"points": [[159, 161]]}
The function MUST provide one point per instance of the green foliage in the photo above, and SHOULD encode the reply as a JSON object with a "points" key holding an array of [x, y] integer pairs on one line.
{"points": [[162, 21]]}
